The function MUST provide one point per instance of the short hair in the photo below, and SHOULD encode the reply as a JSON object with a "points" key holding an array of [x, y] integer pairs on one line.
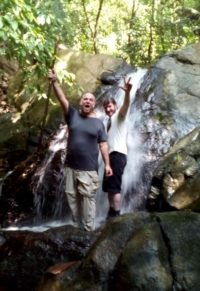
{"points": [[88, 93], [108, 100]]}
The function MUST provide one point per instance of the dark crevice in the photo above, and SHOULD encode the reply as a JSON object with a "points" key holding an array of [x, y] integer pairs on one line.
{"points": [[182, 59], [185, 61]]}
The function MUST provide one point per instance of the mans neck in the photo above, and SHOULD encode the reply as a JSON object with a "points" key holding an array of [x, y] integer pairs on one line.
{"points": [[88, 114]]}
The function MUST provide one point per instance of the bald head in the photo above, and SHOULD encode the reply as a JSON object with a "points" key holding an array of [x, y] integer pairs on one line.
{"points": [[87, 104], [88, 95]]}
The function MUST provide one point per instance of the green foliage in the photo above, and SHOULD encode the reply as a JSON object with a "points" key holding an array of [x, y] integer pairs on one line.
{"points": [[28, 34], [158, 27], [138, 31], [27, 26]]}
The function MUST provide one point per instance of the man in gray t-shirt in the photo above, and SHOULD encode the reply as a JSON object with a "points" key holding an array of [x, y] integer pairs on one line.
{"points": [[86, 136]]}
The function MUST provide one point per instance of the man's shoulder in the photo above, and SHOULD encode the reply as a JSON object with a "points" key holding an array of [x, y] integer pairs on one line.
{"points": [[69, 115], [71, 110]]}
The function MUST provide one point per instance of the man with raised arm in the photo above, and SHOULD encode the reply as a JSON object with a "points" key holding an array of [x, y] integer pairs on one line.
{"points": [[86, 136], [117, 143]]}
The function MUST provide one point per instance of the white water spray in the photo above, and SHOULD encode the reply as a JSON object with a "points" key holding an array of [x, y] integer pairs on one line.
{"points": [[132, 171], [134, 165], [2, 179], [59, 142], [131, 174]]}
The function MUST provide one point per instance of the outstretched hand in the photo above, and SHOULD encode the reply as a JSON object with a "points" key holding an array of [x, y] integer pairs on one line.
{"points": [[127, 85]]}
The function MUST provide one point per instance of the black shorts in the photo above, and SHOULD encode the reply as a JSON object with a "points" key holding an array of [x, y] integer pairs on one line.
{"points": [[112, 184]]}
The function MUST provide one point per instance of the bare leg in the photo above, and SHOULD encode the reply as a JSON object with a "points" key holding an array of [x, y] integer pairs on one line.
{"points": [[115, 204], [115, 200]]}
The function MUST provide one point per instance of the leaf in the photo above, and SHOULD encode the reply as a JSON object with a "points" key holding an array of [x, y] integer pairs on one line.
{"points": [[41, 19], [14, 25], [42, 96], [2, 35], [48, 19], [52, 102], [1, 23]]}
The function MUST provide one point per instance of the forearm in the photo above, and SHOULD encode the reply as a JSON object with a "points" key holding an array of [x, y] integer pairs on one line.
{"points": [[104, 152], [124, 108]]}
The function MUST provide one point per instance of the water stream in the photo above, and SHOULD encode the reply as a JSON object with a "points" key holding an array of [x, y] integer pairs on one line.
{"points": [[132, 172], [46, 188], [49, 179]]}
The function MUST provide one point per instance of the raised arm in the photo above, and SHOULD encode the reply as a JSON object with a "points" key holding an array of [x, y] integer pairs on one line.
{"points": [[127, 88], [103, 147], [58, 91]]}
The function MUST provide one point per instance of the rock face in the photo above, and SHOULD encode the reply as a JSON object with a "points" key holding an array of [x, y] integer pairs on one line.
{"points": [[88, 69], [168, 108], [169, 100], [34, 191], [176, 179], [26, 255], [140, 251]]}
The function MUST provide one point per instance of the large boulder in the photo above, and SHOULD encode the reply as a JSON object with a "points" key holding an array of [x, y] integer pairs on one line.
{"points": [[26, 255], [169, 100], [166, 108], [138, 252], [176, 179]]}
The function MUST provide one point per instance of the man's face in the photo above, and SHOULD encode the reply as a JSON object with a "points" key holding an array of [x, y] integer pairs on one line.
{"points": [[87, 103], [110, 109]]}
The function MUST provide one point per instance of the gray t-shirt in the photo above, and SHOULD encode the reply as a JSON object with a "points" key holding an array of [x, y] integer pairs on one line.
{"points": [[85, 133]]}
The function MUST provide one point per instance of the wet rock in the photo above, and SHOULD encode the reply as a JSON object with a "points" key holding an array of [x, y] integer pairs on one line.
{"points": [[26, 255], [138, 252], [176, 179]]}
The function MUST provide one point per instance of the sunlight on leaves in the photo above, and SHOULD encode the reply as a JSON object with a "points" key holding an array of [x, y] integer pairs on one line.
{"points": [[42, 96]]}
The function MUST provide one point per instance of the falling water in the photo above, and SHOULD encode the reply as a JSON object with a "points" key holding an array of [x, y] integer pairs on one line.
{"points": [[132, 172], [46, 175], [2, 179], [42, 183], [133, 169]]}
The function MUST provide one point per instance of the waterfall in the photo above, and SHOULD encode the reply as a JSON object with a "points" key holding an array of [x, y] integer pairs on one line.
{"points": [[48, 181], [132, 173]]}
